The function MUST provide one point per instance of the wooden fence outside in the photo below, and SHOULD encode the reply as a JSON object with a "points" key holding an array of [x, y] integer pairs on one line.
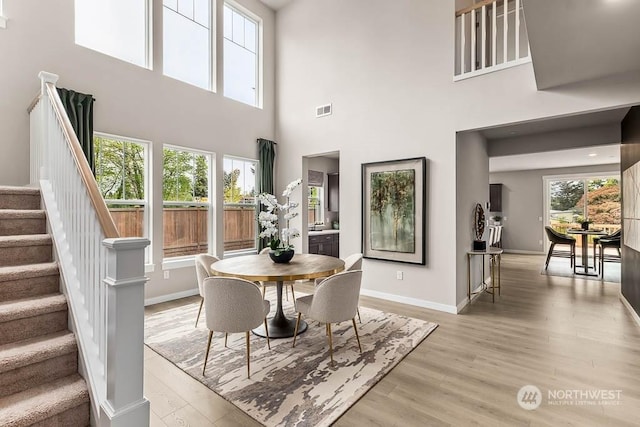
{"points": [[185, 229]]}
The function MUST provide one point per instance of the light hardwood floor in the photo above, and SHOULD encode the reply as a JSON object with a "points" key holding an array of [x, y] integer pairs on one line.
{"points": [[552, 332]]}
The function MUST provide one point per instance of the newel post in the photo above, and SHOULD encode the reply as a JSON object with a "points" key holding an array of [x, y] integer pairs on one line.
{"points": [[125, 404], [43, 154]]}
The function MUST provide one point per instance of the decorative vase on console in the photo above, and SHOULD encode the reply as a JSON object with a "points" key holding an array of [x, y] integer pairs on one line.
{"points": [[282, 250], [478, 227]]}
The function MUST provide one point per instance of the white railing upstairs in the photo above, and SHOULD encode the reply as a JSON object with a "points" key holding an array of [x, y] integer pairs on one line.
{"points": [[102, 274], [490, 35]]}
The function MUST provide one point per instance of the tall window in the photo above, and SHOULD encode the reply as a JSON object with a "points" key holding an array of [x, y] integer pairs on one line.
{"points": [[187, 41], [122, 173], [119, 28], [241, 55], [187, 206], [3, 20], [240, 205], [316, 205], [572, 200]]}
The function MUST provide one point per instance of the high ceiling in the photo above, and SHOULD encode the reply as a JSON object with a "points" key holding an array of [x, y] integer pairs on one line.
{"points": [[276, 4], [577, 40]]}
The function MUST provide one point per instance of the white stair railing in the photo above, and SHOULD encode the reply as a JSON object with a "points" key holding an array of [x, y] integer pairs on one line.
{"points": [[103, 275], [490, 36]]}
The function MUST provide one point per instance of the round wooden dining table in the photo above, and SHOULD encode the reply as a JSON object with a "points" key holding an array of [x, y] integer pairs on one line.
{"points": [[261, 268]]}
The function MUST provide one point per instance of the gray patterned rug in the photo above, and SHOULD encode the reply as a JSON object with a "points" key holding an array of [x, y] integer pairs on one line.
{"points": [[289, 386]]}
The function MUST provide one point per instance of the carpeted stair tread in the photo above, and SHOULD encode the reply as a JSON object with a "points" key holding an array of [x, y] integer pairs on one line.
{"points": [[9, 189], [28, 271], [25, 240], [23, 353], [22, 214], [30, 307], [19, 198], [45, 401]]}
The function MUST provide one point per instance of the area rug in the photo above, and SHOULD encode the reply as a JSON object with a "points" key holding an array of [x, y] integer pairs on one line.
{"points": [[289, 386], [560, 267]]}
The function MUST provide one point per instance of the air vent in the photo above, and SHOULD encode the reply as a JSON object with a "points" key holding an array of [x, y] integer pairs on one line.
{"points": [[323, 110]]}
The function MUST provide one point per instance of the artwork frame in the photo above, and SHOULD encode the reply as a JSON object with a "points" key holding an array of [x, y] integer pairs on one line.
{"points": [[394, 212]]}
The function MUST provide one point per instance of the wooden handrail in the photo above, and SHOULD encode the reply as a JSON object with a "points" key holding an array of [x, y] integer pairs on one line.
{"points": [[104, 216], [475, 6], [34, 103]]}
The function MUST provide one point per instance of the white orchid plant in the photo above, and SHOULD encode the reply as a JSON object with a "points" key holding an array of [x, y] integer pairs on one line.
{"points": [[269, 220]]}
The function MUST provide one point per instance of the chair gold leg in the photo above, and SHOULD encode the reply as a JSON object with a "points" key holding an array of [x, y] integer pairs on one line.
{"points": [[199, 311], [295, 331], [264, 291], [286, 292], [330, 342], [206, 355], [355, 328], [358, 311], [248, 355], [266, 330], [226, 335], [293, 295]]}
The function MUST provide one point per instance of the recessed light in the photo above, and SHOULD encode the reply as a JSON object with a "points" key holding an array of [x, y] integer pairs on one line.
{"points": [[592, 154]]}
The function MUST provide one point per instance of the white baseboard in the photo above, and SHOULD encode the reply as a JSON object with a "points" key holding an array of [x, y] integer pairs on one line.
{"points": [[410, 301], [171, 297], [465, 302], [634, 314], [518, 251]]}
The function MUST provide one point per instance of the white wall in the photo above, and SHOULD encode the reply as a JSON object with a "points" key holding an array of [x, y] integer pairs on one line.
{"points": [[387, 67], [131, 101], [472, 187], [523, 204]]}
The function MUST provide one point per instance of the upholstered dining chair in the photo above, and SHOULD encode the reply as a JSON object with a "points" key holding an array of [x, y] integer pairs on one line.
{"points": [[557, 238], [335, 300], [596, 242], [287, 285], [203, 270], [609, 243], [234, 305], [352, 262]]}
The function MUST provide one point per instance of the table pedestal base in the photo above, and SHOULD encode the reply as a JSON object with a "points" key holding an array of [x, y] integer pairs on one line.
{"points": [[279, 325], [280, 328]]}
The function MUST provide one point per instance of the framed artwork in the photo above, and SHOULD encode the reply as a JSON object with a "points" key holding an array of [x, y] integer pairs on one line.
{"points": [[394, 210]]}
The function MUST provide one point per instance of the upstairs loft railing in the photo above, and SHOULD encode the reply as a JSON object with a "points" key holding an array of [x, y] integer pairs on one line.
{"points": [[102, 274], [490, 35]]}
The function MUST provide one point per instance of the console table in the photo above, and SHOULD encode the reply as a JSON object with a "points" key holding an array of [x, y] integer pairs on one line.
{"points": [[494, 255]]}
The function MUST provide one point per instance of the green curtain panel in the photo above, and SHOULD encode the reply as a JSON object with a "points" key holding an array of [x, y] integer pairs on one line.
{"points": [[79, 107], [267, 157]]}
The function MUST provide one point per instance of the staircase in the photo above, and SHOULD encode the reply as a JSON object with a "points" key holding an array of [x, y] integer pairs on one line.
{"points": [[39, 381]]}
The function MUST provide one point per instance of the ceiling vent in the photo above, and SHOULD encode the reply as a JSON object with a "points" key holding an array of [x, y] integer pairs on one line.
{"points": [[323, 110]]}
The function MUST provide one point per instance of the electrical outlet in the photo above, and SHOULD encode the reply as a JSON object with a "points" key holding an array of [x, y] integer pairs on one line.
{"points": [[504, 218], [166, 274], [540, 242], [399, 275], [540, 218]]}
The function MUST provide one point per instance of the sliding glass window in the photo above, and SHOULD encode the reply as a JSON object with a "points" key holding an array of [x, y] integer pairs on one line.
{"points": [[572, 200]]}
